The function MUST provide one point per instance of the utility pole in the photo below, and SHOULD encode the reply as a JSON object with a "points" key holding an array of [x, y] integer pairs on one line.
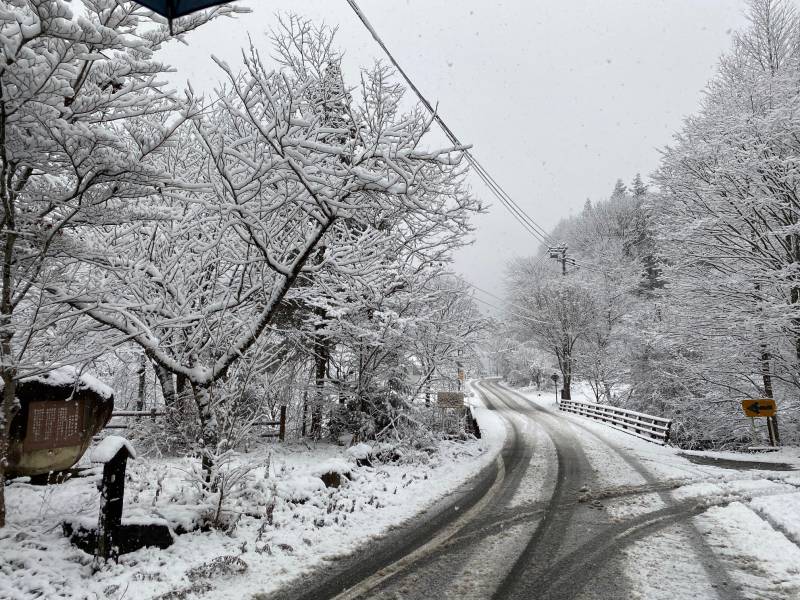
{"points": [[560, 254]]}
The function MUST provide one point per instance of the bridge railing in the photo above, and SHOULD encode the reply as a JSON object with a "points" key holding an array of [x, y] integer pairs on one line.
{"points": [[648, 427]]}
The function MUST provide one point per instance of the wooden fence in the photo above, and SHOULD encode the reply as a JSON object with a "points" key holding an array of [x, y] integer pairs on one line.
{"points": [[647, 427], [153, 413]]}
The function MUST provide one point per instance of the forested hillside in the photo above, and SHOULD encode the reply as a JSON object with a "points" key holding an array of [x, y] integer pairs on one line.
{"points": [[682, 295]]}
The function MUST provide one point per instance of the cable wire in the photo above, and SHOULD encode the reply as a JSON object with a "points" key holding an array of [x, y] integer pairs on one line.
{"points": [[536, 230]]}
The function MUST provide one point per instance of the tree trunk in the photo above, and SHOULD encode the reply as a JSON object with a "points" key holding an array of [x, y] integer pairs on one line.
{"points": [[7, 413], [167, 380], [142, 391], [608, 391], [320, 367], [209, 431], [766, 376], [565, 362], [795, 298], [8, 369], [321, 358], [8, 372], [305, 413], [566, 393]]}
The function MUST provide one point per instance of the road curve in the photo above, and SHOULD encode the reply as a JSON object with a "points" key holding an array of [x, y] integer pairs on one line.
{"points": [[518, 530], [359, 570]]}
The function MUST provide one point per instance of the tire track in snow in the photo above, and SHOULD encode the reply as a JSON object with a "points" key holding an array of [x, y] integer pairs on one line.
{"points": [[615, 538], [436, 568]]}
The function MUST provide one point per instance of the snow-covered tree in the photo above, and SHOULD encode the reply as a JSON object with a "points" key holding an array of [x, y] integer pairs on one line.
{"points": [[729, 215], [280, 196], [83, 117], [555, 311]]}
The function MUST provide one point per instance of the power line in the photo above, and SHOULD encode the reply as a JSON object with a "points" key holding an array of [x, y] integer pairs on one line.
{"points": [[497, 308], [536, 230], [490, 294]]}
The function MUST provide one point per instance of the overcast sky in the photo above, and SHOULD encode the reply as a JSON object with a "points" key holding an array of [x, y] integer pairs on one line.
{"points": [[559, 99]]}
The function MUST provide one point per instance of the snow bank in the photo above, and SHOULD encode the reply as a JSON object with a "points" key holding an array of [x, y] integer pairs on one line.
{"points": [[762, 560], [360, 451], [280, 541], [492, 426], [782, 511], [333, 465], [299, 488]]}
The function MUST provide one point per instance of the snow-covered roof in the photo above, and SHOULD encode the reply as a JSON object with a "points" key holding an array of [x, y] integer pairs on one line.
{"points": [[109, 447], [66, 376]]}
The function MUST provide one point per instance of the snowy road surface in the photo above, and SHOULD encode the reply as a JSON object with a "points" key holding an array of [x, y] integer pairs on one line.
{"points": [[574, 510]]}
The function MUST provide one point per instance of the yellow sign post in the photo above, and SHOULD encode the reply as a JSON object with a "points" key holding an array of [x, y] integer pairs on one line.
{"points": [[764, 407], [759, 407]]}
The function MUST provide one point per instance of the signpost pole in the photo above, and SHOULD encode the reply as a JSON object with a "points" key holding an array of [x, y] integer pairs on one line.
{"points": [[554, 377], [773, 433], [112, 491]]}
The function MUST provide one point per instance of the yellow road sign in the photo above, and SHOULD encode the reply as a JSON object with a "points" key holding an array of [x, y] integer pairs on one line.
{"points": [[759, 407]]}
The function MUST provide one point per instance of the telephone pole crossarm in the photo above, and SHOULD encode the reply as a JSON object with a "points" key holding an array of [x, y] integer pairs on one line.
{"points": [[560, 254]]}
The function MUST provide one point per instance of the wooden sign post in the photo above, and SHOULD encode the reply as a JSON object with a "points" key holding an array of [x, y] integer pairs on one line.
{"points": [[112, 537], [113, 453]]}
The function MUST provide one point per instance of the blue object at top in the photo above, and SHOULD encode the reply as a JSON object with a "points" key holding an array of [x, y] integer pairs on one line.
{"points": [[172, 9]]}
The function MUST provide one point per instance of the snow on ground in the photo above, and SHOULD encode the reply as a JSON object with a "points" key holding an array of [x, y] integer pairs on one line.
{"points": [[308, 524], [763, 561], [493, 428], [781, 511], [682, 577], [734, 489]]}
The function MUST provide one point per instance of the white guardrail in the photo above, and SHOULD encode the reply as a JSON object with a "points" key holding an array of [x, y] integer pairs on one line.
{"points": [[648, 427]]}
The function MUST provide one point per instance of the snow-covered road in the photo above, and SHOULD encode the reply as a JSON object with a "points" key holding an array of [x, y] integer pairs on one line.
{"points": [[577, 511]]}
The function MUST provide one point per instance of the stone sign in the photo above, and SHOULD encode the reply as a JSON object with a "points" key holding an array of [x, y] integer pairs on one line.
{"points": [[58, 414]]}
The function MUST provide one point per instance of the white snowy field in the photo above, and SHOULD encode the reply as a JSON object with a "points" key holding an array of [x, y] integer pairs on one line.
{"points": [[751, 528], [310, 524]]}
